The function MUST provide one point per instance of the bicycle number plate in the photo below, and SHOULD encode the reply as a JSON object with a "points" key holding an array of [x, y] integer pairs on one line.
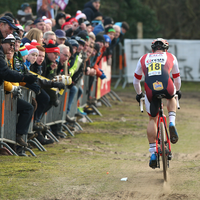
{"points": [[154, 69]]}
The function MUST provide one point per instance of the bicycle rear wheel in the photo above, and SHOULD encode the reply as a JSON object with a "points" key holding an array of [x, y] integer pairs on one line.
{"points": [[164, 156]]}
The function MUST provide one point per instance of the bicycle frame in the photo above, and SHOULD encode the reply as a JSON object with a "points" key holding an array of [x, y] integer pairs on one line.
{"points": [[159, 150]]}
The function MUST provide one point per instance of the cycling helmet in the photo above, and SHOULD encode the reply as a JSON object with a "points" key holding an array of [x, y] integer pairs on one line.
{"points": [[160, 43]]}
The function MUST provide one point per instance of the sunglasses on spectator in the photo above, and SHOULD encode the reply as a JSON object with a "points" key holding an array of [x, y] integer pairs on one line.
{"points": [[12, 45]]}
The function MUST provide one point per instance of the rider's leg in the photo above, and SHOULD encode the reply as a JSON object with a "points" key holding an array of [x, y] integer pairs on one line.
{"points": [[171, 106], [151, 133]]}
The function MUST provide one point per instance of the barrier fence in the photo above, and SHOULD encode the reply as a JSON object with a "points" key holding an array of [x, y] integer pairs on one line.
{"points": [[92, 87]]}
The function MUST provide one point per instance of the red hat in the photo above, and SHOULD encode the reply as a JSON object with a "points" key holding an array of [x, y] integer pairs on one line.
{"points": [[51, 48], [66, 23], [79, 15], [31, 48], [72, 20], [34, 42]]}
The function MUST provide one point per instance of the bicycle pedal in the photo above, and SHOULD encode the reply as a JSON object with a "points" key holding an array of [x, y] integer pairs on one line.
{"points": [[170, 156]]}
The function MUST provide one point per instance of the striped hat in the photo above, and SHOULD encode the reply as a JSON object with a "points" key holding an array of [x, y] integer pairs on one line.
{"points": [[23, 50], [31, 48], [51, 47]]}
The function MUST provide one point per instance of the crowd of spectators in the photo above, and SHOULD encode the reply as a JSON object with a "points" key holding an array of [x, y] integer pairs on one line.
{"points": [[71, 45]]}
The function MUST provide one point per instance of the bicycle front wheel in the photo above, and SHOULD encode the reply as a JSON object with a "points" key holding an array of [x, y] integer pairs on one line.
{"points": [[164, 156]]}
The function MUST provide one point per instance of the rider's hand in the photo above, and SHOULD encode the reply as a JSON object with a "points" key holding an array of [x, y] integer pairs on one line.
{"points": [[179, 94], [139, 96]]}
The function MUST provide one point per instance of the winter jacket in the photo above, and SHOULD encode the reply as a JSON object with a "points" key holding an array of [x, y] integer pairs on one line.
{"points": [[6, 73], [89, 10], [99, 28]]}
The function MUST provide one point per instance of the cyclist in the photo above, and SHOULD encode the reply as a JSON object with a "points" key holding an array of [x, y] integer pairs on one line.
{"points": [[156, 67]]}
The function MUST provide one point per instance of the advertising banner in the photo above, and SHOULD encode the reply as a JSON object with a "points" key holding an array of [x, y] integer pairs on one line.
{"points": [[103, 86], [186, 52]]}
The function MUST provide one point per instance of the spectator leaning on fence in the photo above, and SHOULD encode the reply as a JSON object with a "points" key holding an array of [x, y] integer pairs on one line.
{"points": [[24, 109], [49, 35]]}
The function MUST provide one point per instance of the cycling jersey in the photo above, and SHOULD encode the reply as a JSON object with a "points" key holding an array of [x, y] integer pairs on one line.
{"points": [[156, 68]]}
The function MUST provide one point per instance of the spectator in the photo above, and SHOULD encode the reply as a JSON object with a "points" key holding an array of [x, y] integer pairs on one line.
{"points": [[24, 52], [49, 35], [7, 74], [91, 8], [32, 55], [25, 13], [100, 28], [110, 31], [20, 31], [24, 109], [88, 26], [60, 36], [34, 33], [7, 26], [124, 28], [60, 20], [39, 23], [66, 26], [28, 25], [107, 40]]}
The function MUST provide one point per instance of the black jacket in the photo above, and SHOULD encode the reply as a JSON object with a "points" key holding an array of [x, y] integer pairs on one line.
{"points": [[7, 74], [89, 10]]}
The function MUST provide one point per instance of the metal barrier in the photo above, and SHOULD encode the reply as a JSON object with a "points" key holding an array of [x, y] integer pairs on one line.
{"points": [[56, 115], [8, 114]]}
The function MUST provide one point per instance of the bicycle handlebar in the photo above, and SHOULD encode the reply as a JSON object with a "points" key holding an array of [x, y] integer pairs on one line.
{"points": [[143, 98]]}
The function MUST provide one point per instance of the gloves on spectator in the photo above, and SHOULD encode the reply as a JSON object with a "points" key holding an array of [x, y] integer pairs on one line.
{"points": [[29, 78], [17, 92], [58, 85], [35, 87], [179, 94], [139, 96], [102, 76]]}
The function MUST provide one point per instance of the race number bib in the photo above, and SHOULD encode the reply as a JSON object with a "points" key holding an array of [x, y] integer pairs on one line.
{"points": [[154, 69]]}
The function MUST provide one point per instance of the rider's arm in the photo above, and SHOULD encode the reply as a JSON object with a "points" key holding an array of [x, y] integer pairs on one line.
{"points": [[137, 78], [176, 75]]}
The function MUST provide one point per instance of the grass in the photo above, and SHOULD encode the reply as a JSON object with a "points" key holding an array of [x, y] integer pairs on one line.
{"points": [[109, 144]]}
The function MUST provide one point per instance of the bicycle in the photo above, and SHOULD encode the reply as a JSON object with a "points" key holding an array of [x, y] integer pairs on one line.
{"points": [[162, 139]]}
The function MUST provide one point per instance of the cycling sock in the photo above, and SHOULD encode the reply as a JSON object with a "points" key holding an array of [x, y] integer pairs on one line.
{"points": [[152, 148], [172, 117]]}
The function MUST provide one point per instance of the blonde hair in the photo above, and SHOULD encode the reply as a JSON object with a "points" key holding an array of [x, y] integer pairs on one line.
{"points": [[34, 33]]}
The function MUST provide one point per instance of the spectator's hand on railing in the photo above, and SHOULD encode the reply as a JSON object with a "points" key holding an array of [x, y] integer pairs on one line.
{"points": [[17, 92], [58, 85], [29, 78], [35, 87]]}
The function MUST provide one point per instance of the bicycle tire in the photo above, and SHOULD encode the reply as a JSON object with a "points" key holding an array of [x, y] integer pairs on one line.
{"points": [[164, 156]]}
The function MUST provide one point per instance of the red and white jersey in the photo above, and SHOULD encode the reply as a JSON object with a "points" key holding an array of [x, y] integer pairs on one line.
{"points": [[149, 65]]}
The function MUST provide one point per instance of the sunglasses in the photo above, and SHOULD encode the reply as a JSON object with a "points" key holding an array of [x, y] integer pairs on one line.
{"points": [[12, 45]]}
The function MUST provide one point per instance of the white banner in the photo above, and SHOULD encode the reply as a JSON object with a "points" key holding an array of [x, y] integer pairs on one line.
{"points": [[186, 52]]}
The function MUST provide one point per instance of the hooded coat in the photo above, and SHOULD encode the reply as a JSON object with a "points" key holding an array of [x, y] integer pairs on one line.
{"points": [[90, 11]]}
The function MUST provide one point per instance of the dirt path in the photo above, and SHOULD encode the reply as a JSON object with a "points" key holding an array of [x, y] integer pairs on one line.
{"points": [[144, 182]]}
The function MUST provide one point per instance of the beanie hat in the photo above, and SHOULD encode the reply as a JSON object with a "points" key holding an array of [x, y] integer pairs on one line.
{"points": [[38, 20], [70, 46], [100, 38], [24, 6], [51, 48], [71, 20], [107, 39], [96, 47], [109, 29], [16, 36], [108, 20], [79, 40], [66, 23], [9, 39], [20, 27], [60, 33], [83, 35], [23, 50], [46, 20], [73, 42], [79, 15], [34, 42], [31, 48]]}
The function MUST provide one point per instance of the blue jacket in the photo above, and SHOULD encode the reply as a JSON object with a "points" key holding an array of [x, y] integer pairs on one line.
{"points": [[97, 29]]}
